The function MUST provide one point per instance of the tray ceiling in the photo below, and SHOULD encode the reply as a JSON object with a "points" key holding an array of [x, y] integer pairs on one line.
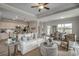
{"points": [[24, 11]]}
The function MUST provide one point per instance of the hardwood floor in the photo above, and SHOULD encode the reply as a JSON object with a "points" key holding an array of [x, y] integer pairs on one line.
{"points": [[35, 52]]}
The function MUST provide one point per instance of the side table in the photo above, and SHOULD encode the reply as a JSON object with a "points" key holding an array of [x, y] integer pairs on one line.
{"points": [[14, 44]]}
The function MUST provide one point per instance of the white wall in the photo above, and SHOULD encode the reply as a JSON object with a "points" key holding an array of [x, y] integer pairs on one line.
{"points": [[74, 21]]}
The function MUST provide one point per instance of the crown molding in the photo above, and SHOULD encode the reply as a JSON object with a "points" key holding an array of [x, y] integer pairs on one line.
{"points": [[9, 7]]}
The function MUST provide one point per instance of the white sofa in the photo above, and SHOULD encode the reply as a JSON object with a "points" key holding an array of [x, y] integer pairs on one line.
{"points": [[28, 45]]}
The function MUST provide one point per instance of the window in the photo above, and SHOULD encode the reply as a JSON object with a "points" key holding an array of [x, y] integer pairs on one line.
{"points": [[48, 30], [65, 28]]}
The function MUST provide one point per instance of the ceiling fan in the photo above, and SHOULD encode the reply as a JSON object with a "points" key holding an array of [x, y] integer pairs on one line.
{"points": [[41, 6]]}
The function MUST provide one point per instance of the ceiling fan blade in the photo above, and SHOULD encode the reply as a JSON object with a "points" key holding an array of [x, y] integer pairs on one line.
{"points": [[33, 6], [39, 3], [45, 3], [47, 8]]}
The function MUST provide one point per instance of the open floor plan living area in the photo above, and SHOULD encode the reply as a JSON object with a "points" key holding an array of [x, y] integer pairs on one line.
{"points": [[39, 29]]}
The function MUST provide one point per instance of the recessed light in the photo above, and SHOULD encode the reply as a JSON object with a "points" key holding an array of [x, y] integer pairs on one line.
{"points": [[62, 17]]}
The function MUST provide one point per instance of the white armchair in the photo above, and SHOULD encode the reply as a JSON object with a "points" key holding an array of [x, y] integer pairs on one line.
{"points": [[49, 51]]}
